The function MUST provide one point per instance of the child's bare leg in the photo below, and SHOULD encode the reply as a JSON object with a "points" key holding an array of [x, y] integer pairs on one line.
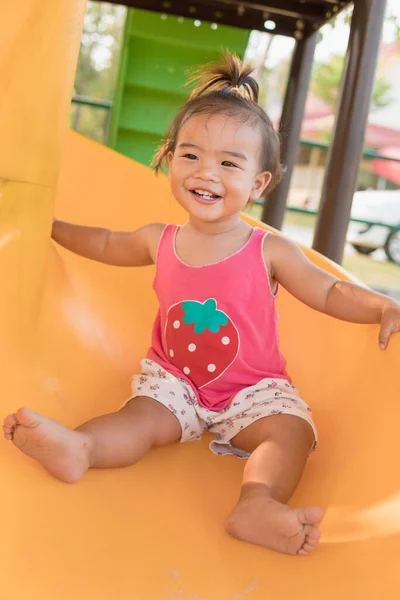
{"points": [[115, 440], [280, 445]]}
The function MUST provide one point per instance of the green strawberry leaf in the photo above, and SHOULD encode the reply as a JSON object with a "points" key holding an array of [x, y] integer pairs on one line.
{"points": [[204, 315]]}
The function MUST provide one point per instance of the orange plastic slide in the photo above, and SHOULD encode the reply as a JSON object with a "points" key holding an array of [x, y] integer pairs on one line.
{"points": [[72, 333], [154, 531]]}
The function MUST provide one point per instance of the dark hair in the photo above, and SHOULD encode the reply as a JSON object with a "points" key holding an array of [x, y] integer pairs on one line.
{"points": [[227, 88]]}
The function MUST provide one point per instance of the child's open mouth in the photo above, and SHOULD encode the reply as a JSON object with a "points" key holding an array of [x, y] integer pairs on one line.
{"points": [[205, 197]]}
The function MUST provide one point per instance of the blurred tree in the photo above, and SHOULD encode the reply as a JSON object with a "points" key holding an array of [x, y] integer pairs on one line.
{"points": [[100, 44], [326, 83], [394, 20], [97, 67]]}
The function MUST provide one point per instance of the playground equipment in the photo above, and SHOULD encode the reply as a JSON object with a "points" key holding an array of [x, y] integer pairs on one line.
{"points": [[156, 57], [72, 334]]}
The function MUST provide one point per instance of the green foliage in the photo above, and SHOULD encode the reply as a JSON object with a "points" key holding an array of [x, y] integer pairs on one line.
{"points": [[327, 78], [97, 67], [393, 19], [381, 96]]}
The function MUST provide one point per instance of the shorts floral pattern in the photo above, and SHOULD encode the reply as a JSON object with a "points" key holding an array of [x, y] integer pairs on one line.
{"points": [[266, 398]]}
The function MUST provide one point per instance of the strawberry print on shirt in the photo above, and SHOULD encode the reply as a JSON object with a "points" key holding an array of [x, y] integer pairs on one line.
{"points": [[201, 340]]}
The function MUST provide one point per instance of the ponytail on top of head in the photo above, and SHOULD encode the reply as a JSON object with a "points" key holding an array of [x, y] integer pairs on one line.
{"points": [[230, 76], [227, 88]]}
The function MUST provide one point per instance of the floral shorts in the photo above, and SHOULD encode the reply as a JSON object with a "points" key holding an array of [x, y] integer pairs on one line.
{"points": [[268, 397]]}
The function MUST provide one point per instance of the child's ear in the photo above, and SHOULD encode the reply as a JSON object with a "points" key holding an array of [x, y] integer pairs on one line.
{"points": [[260, 183], [170, 156]]}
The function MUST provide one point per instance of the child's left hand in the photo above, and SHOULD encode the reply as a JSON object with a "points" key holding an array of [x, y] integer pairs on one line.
{"points": [[390, 323]]}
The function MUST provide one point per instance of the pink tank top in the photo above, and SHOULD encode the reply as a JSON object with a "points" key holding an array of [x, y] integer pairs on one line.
{"points": [[217, 323]]}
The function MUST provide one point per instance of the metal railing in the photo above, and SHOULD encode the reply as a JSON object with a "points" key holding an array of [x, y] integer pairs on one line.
{"points": [[367, 152], [96, 104], [305, 211]]}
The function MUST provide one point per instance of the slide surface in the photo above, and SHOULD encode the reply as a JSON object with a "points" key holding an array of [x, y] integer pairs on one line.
{"points": [[154, 531]]}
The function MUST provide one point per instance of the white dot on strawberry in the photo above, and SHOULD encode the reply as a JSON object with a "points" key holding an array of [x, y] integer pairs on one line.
{"points": [[192, 347], [177, 324], [171, 353], [225, 340], [211, 368], [186, 370]]}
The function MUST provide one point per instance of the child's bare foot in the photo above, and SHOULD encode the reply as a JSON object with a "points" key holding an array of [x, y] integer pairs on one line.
{"points": [[62, 451], [259, 519]]}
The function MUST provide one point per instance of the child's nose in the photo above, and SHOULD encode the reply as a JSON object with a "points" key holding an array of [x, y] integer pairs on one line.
{"points": [[207, 173]]}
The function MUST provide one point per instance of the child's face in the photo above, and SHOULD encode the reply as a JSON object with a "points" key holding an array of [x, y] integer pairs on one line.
{"points": [[215, 169]]}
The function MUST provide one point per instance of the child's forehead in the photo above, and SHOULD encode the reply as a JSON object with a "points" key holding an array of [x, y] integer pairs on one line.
{"points": [[216, 129]]}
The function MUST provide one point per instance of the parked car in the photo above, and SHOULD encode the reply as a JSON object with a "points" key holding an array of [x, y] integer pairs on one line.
{"points": [[383, 208]]}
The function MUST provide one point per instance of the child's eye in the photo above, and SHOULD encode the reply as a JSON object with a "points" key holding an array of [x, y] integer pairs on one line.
{"points": [[190, 156], [227, 163]]}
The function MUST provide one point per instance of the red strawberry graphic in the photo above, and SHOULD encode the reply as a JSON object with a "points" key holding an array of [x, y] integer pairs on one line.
{"points": [[201, 340]]}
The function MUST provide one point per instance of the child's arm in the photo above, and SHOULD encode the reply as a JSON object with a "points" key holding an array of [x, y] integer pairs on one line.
{"points": [[118, 248], [325, 292]]}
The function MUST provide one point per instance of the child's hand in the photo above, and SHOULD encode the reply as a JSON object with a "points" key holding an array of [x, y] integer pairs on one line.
{"points": [[52, 227], [390, 323]]}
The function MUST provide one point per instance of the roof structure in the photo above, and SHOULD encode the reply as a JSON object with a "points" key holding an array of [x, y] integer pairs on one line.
{"points": [[294, 18]]}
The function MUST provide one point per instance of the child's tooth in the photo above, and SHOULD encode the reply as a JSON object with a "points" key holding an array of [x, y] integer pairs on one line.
{"points": [[203, 194]]}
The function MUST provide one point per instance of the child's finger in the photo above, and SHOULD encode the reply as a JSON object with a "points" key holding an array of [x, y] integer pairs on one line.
{"points": [[384, 336], [385, 333]]}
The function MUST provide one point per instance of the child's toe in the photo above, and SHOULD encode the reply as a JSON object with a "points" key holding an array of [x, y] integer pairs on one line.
{"points": [[10, 422], [311, 515], [307, 547], [27, 418], [311, 539], [313, 535], [9, 425]]}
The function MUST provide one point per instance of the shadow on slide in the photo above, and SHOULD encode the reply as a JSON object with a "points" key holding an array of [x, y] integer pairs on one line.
{"points": [[155, 530]]}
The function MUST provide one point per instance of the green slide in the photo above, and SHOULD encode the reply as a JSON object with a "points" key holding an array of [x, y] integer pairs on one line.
{"points": [[157, 54]]}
